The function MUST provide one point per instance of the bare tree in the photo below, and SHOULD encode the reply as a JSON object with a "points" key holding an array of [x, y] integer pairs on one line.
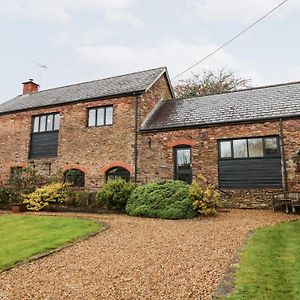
{"points": [[210, 82]]}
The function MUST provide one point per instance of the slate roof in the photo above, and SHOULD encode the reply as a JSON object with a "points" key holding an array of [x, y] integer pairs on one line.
{"points": [[113, 86], [261, 103]]}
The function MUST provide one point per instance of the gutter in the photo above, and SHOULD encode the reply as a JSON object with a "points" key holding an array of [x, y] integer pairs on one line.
{"points": [[136, 132]]}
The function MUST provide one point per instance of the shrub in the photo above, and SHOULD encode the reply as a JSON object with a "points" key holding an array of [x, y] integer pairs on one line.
{"points": [[26, 180], [5, 197], [205, 198], [81, 199], [114, 194], [42, 197], [167, 200]]}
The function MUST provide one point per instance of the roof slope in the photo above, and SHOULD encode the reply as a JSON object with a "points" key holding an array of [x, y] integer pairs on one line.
{"points": [[244, 105], [113, 86]]}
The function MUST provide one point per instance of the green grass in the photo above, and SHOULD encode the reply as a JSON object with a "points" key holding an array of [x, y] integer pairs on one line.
{"points": [[270, 264], [24, 236]]}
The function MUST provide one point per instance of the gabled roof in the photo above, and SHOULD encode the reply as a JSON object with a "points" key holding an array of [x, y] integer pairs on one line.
{"points": [[137, 82], [262, 103]]}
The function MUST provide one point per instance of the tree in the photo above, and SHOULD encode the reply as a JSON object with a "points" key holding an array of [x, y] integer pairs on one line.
{"points": [[210, 83]]}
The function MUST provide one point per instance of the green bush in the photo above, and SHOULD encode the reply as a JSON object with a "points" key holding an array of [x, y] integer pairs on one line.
{"points": [[205, 196], [5, 197], [114, 194], [82, 199], [42, 197], [166, 200]]}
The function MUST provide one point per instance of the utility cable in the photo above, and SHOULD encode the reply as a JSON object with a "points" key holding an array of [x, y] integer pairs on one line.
{"points": [[231, 40]]}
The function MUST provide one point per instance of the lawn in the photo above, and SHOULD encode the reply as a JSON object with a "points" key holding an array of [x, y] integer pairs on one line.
{"points": [[270, 264], [24, 236]]}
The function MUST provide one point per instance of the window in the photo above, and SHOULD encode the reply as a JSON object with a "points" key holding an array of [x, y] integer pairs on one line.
{"points": [[74, 177], [250, 163], [249, 148], [225, 149], [44, 136], [239, 148], [116, 173], [183, 163], [271, 146], [255, 147], [100, 116], [46, 123]]}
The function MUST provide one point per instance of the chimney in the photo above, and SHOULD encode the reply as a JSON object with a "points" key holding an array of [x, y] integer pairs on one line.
{"points": [[30, 87]]}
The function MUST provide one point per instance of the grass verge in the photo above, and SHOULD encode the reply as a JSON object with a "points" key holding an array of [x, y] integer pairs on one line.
{"points": [[270, 264], [25, 236]]}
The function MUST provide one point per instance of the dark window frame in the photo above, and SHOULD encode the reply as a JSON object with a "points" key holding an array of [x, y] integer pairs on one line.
{"points": [[121, 173], [277, 154], [105, 107], [74, 177], [39, 126], [189, 171], [39, 134]]}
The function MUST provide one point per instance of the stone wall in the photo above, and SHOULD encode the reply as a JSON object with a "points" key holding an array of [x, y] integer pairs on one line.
{"points": [[157, 156], [91, 149]]}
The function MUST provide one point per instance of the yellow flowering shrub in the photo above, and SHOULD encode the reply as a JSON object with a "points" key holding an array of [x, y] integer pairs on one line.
{"points": [[205, 196], [42, 197]]}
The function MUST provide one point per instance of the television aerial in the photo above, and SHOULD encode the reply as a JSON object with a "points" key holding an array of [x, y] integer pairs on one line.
{"points": [[42, 67]]}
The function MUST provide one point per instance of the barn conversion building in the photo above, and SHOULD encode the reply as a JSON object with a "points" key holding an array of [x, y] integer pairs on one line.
{"points": [[246, 142]]}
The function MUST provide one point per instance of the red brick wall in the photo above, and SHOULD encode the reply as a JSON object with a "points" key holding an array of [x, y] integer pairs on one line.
{"points": [[157, 161], [159, 91], [91, 149], [88, 148]]}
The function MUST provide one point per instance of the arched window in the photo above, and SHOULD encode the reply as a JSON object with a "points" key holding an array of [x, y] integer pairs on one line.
{"points": [[117, 172], [74, 177], [183, 163]]}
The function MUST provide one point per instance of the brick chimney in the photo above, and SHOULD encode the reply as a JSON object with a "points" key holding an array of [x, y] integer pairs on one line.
{"points": [[30, 87]]}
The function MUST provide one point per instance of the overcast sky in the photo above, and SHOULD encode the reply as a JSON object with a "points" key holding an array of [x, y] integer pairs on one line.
{"points": [[82, 40]]}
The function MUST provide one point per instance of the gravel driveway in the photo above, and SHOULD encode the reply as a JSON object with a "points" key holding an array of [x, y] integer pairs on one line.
{"points": [[139, 258]]}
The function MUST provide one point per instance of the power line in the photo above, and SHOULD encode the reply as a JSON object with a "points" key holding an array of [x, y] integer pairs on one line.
{"points": [[231, 40]]}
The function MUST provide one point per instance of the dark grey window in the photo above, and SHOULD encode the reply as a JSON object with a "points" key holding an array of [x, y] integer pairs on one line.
{"points": [[100, 116], [271, 146], [43, 123], [240, 148], [183, 163], [249, 148], [44, 136], [117, 172], [250, 163], [74, 177], [256, 148], [225, 149]]}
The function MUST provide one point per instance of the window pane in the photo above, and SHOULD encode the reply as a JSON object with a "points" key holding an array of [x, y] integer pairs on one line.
{"points": [[49, 122], [183, 157], [109, 116], [255, 147], [43, 123], [240, 148], [100, 116], [271, 146], [225, 149], [56, 121], [92, 117], [36, 122]]}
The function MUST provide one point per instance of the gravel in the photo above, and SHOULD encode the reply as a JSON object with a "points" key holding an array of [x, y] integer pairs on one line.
{"points": [[139, 258]]}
